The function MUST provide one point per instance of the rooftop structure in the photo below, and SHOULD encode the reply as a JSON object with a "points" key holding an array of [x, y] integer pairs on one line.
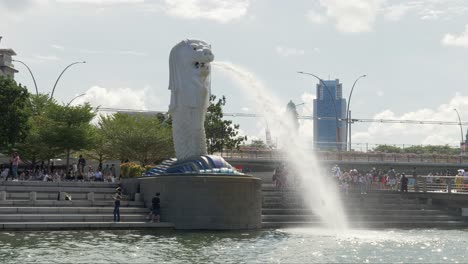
{"points": [[6, 66]]}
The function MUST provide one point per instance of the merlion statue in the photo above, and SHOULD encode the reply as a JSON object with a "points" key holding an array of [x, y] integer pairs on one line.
{"points": [[190, 85]]}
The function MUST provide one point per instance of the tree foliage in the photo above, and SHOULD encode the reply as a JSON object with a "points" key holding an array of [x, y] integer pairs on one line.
{"points": [[258, 143], [14, 109], [143, 138], [220, 134], [34, 147], [429, 149]]}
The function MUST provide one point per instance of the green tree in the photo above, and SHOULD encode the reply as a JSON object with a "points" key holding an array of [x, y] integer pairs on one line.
{"points": [[14, 105], [34, 148], [220, 134], [68, 128], [258, 144], [146, 139], [387, 149]]}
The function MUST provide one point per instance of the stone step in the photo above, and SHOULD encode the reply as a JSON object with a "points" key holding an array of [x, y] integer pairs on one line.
{"points": [[54, 196], [71, 210], [56, 189], [374, 224], [370, 206], [354, 218], [73, 203], [18, 226], [70, 217], [60, 184], [345, 201], [282, 211]]}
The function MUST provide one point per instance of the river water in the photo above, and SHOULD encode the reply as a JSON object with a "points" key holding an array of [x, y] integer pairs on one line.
{"points": [[265, 246]]}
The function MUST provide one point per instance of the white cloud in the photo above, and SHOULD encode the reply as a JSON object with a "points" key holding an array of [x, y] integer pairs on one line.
{"points": [[286, 52], [418, 134], [425, 10], [120, 98], [245, 109], [59, 47], [47, 57], [396, 12], [114, 52], [101, 2], [380, 93], [315, 17], [219, 10], [456, 40], [349, 16]]}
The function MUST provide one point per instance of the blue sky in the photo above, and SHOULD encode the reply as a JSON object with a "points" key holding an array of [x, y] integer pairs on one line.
{"points": [[415, 54]]}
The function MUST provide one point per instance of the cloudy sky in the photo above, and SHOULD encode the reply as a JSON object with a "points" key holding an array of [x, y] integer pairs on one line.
{"points": [[415, 53]]}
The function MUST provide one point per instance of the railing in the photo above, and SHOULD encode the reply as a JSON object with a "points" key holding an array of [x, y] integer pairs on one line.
{"points": [[350, 156], [440, 184]]}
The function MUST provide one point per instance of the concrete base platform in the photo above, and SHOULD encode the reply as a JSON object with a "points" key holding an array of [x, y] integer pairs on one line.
{"points": [[209, 202], [82, 226]]}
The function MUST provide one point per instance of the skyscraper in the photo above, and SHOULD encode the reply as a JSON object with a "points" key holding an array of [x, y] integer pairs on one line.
{"points": [[328, 107]]}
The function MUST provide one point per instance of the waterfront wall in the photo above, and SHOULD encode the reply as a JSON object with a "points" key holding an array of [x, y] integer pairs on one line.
{"points": [[210, 202]]}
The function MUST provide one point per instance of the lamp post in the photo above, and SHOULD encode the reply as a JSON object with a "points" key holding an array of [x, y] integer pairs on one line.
{"points": [[75, 98], [30, 72], [338, 139], [348, 114], [461, 131], [55, 85]]}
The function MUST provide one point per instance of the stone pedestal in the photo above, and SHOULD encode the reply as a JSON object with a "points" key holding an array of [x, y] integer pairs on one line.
{"points": [[210, 202], [90, 196], [32, 196]]}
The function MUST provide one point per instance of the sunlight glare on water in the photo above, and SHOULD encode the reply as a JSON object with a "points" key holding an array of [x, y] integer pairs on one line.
{"points": [[267, 246]]}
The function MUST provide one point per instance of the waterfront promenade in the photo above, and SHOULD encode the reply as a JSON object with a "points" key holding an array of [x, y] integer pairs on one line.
{"points": [[37, 205]]}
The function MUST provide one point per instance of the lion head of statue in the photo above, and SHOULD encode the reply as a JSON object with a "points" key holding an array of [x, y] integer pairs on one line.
{"points": [[189, 74]]}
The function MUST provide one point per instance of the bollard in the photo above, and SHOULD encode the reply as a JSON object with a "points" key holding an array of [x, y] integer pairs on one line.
{"points": [[90, 196], [2, 195], [137, 197], [32, 196], [429, 201], [62, 196]]}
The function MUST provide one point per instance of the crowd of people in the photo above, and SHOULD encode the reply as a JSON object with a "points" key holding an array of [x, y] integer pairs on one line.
{"points": [[374, 179], [78, 171]]}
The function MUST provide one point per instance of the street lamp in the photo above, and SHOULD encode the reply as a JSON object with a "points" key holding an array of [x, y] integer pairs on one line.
{"points": [[348, 114], [75, 98], [461, 130], [53, 89], [30, 72], [338, 139]]}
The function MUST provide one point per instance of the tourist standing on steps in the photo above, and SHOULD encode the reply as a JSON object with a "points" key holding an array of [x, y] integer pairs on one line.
{"points": [[117, 198], [81, 165], [112, 172], [392, 178], [15, 160], [155, 208], [404, 183]]}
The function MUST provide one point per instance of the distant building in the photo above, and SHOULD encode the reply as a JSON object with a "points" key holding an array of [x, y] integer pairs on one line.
{"points": [[291, 113], [6, 66], [328, 134]]}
